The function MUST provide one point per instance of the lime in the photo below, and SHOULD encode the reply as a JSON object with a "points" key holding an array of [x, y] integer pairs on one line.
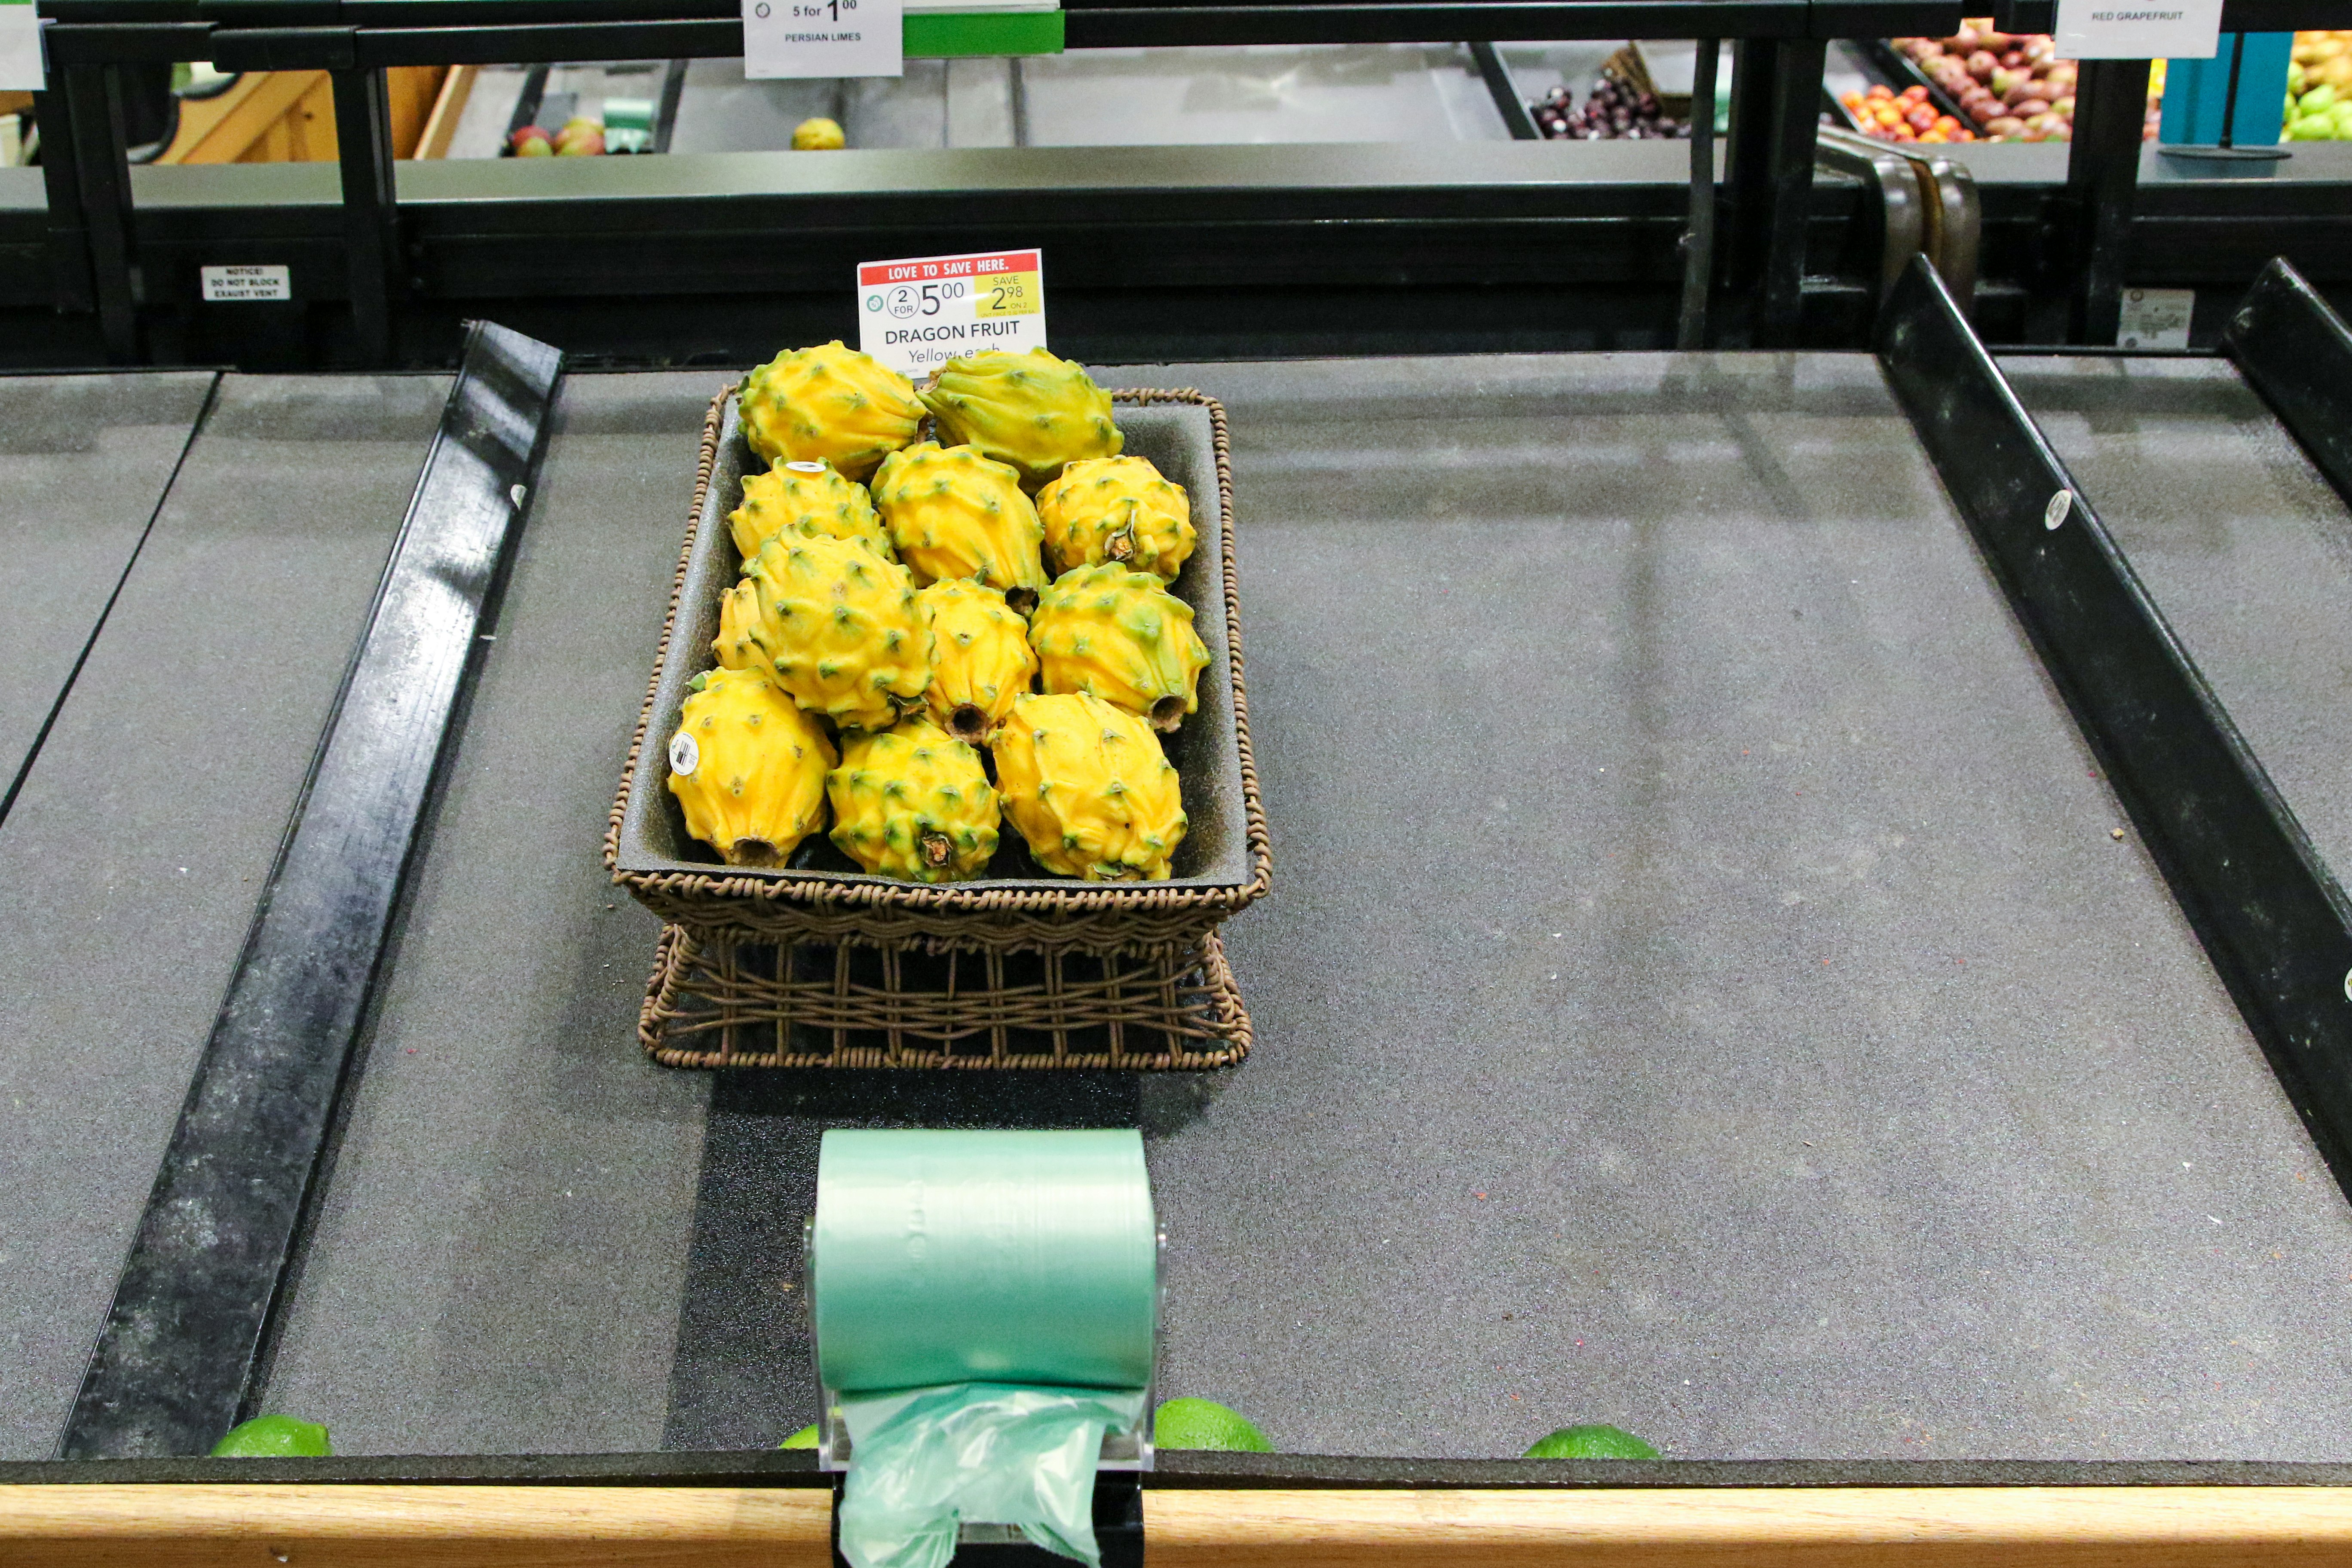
{"points": [[1205, 1424], [1592, 1443], [274, 1436], [803, 1438]]}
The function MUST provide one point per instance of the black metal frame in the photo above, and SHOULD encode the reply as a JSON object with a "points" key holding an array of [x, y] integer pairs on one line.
{"points": [[188, 1332]]}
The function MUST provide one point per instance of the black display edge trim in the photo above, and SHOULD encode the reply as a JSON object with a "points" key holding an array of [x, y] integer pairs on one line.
{"points": [[194, 1307], [2296, 353], [2273, 919]]}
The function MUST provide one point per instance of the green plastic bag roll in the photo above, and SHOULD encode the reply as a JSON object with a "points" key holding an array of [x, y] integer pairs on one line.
{"points": [[984, 1306], [983, 1256]]}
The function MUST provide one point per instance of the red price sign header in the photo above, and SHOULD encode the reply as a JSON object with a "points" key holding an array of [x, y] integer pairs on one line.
{"points": [[932, 269]]}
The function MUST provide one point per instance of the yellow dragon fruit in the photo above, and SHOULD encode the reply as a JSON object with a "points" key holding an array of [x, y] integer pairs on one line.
{"points": [[1120, 636], [1089, 789], [913, 802], [834, 625], [954, 513], [1032, 411], [1116, 509], [811, 497], [747, 768], [830, 404], [981, 657]]}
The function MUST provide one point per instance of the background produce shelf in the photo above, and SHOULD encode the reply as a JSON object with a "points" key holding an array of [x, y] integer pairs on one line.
{"points": [[1703, 991]]}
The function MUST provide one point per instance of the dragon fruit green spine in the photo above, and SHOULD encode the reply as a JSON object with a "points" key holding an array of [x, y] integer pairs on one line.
{"points": [[1122, 636], [954, 513], [804, 498], [1089, 789], [1116, 509], [827, 404], [1032, 411], [747, 768], [834, 625], [981, 657], [913, 802]]}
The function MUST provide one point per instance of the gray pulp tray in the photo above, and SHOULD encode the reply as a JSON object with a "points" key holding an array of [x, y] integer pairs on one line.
{"points": [[1215, 859]]}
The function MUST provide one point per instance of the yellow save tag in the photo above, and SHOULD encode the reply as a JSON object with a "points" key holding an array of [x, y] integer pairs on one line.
{"points": [[1005, 294]]}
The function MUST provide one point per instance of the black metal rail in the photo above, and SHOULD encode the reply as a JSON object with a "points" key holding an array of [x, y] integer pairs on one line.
{"points": [[2296, 353], [193, 1310], [2272, 918]]}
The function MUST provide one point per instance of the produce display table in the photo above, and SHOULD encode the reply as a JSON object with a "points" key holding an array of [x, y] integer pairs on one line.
{"points": [[1702, 987]]}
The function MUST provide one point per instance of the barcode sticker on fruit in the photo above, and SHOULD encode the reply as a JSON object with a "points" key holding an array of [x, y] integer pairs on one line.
{"points": [[685, 756], [2166, 29], [916, 314], [784, 39]]}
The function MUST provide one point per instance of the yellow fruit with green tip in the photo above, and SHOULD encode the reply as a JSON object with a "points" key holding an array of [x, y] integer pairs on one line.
{"points": [[806, 498], [1122, 636], [747, 768], [1089, 789], [1032, 411], [952, 512], [1121, 510], [981, 657], [818, 135], [830, 404], [913, 802], [833, 625]]}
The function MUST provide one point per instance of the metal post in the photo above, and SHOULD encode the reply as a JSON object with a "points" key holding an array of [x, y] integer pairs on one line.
{"points": [[69, 284], [1698, 244], [94, 105], [1775, 90], [370, 213], [2103, 178]]}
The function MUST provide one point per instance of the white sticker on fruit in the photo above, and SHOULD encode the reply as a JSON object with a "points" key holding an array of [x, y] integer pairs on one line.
{"points": [[2155, 318], [823, 38], [916, 315], [685, 756], [2118, 30], [235, 283], [20, 47]]}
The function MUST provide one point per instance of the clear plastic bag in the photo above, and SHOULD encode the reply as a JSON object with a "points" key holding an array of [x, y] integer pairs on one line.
{"points": [[923, 1460]]}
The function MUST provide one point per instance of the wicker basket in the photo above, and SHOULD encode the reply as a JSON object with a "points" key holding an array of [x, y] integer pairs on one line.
{"points": [[1028, 912], [723, 1005]]}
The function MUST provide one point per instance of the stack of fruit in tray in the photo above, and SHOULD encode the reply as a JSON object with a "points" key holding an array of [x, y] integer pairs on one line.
{"points": [[2012, 86], [881, 652], [1906, 116], [2319, 87], [1615, 111]]}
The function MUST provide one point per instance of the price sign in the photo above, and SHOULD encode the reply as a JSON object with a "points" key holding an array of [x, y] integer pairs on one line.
{"points": [[20, 47], [2146, 30], [916, 315], [823, 38]]}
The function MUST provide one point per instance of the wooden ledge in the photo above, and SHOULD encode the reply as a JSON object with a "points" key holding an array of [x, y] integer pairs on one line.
{"points": [[2013, 1527], [354, 1526]]}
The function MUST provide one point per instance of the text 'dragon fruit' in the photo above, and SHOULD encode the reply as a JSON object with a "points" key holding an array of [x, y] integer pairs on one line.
{"points": [[829, 404], [1089, 789], [804, 498], [981, 657], [913, 802], [954, 513], [1032, 411], [747, 768], [1122, 636], [834, 625], [1116, 509]]}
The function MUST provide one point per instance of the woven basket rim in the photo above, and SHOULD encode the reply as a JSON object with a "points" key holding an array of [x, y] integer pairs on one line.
{"points": [[734, 886]]}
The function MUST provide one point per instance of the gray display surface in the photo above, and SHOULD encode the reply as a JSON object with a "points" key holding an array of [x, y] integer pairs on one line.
{"points": [[2242, 542], [130, 865], [1701, 989], [83, 462]]}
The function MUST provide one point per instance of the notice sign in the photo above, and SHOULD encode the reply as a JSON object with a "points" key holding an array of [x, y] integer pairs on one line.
{"points": [[2146, 30], [20, 47], [233, 283], [823, 38], [918, 314], [2155, 318]]}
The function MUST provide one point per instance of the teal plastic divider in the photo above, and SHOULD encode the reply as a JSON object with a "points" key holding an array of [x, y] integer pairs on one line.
{"points": [[2195, 92]]}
